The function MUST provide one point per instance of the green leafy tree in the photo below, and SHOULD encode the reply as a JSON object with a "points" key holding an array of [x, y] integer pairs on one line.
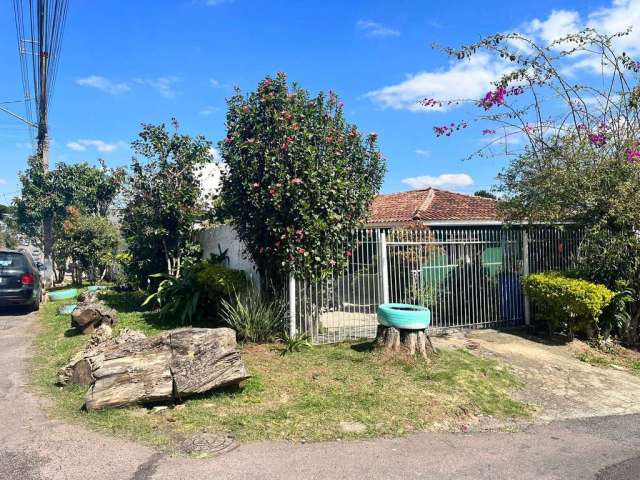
{"points": [[298, 178], [90, 241], [46, 195], [163, 200], [485, 194]]}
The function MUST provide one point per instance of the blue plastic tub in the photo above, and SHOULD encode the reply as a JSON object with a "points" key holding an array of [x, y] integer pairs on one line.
{"points": [[67, 309], [68, 294], [95, 288], [404, 316]]}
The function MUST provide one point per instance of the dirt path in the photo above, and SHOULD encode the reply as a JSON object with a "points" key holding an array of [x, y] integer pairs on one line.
{"points": [[554, 379], [32, 446]]}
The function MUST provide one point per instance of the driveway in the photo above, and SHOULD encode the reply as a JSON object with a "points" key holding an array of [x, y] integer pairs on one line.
{"points": [[32, 446], [561, 385]]}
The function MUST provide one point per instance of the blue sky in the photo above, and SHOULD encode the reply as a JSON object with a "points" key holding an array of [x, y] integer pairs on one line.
{"points": [[127, 62]]}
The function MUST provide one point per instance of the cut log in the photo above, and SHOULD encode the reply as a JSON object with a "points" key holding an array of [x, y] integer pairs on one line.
{"points": [[79, 369], [88, 297], [168, 367], [87, 317], [399, 341]]}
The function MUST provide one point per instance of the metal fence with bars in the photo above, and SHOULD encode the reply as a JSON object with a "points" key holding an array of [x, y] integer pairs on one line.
{"points": [[469, 278]]}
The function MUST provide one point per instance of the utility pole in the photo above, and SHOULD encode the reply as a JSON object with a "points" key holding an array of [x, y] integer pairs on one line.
{"points": [[40, 27]]}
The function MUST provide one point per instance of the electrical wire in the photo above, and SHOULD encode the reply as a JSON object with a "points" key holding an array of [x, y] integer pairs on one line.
{"points": [[40, 30]]}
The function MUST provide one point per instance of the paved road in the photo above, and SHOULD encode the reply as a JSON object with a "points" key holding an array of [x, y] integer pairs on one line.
{"points": [[35, 447]]}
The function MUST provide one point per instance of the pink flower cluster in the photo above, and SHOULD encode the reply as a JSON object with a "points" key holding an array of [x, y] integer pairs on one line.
{"points": [[435, 103], [287, 143], [448, 130], [598, 139], [633, 155], [492, 98]]}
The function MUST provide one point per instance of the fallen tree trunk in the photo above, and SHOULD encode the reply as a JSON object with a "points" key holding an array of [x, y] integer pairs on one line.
{"points": [[168, 367]]}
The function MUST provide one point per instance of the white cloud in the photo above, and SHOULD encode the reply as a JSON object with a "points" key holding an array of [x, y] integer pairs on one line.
{"points": [[423, 153], [618, 17], [462, 80], [558, 24], [3, 181], [374, 29], [215, 83], [83, 144], [104, 84], [164, 86], [471, 79], [446, 180], [208, 110]]}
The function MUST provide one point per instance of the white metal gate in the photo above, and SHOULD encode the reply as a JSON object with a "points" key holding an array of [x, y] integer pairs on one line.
{"points": [[468, 277]]}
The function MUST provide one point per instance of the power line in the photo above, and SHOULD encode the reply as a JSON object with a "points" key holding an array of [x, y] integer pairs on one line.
{"points": [[39, 29]]}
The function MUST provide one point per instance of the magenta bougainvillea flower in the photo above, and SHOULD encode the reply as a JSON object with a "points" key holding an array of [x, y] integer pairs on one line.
{"points": [[492, 98], [598, 139], [633, 155]]}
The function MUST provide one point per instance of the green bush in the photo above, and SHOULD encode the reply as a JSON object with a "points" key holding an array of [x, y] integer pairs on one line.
{"points": [[218, 282], [195, 296], [567, 303], [253, 317]]}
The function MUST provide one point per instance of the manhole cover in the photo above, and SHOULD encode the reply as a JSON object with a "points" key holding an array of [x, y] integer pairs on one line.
{"points": [[209, 443]]}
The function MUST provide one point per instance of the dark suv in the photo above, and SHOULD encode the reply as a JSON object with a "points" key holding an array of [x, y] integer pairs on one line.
{"points": [[20, 282]]}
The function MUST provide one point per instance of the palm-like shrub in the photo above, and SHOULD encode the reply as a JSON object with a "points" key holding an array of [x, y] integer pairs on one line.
{"points": [[253, 317]]}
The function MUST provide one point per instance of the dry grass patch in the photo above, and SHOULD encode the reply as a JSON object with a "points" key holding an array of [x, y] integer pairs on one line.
{"points": [[608, 355]]}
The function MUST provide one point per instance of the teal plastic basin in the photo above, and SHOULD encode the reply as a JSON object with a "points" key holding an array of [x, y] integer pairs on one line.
{"points": [[95, 288], [404, 316], [67, 309], [68, 294]]}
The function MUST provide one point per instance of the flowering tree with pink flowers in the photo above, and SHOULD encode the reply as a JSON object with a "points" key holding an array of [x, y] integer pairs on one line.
{"points": [[566, 115], [299, 177]]}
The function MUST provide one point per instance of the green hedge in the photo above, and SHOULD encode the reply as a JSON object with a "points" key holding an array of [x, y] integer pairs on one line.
{"points": [[567, 303], [218, 282]]}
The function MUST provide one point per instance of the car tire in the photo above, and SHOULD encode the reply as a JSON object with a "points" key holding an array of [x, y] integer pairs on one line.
{"points": [[36, 305]]}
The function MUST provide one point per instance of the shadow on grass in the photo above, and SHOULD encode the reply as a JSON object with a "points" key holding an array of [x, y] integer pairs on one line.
{"points": [[130, 302], [125, 302], [363, 347]]}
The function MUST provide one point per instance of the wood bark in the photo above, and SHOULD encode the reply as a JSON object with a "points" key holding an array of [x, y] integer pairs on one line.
{"points": [[91, 313], [399, 341], [168, 367]]}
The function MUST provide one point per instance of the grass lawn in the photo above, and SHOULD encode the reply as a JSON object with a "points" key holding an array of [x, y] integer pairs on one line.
{"points": [[328, 392]]}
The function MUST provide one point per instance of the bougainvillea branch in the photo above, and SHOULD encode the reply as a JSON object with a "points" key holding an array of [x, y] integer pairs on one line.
{"points": [[539, 99]]}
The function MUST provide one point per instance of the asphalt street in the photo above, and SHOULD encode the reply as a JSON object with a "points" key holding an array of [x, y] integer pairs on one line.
{"points": [[34, 446]]}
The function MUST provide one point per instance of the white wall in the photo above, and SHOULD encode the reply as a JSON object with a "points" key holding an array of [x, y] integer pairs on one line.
{"points": [[226, 237]]}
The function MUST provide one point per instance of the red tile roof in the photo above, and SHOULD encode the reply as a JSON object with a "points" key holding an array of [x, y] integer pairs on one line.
{"points": [[430, 205]]}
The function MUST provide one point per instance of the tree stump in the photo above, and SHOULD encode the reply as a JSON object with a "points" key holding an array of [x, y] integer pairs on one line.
{"points": [[398, 341]]}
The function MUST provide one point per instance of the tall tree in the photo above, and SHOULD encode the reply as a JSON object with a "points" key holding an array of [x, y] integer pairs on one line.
{"points": [[48, 194], [299, 177], [163, 199]]}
